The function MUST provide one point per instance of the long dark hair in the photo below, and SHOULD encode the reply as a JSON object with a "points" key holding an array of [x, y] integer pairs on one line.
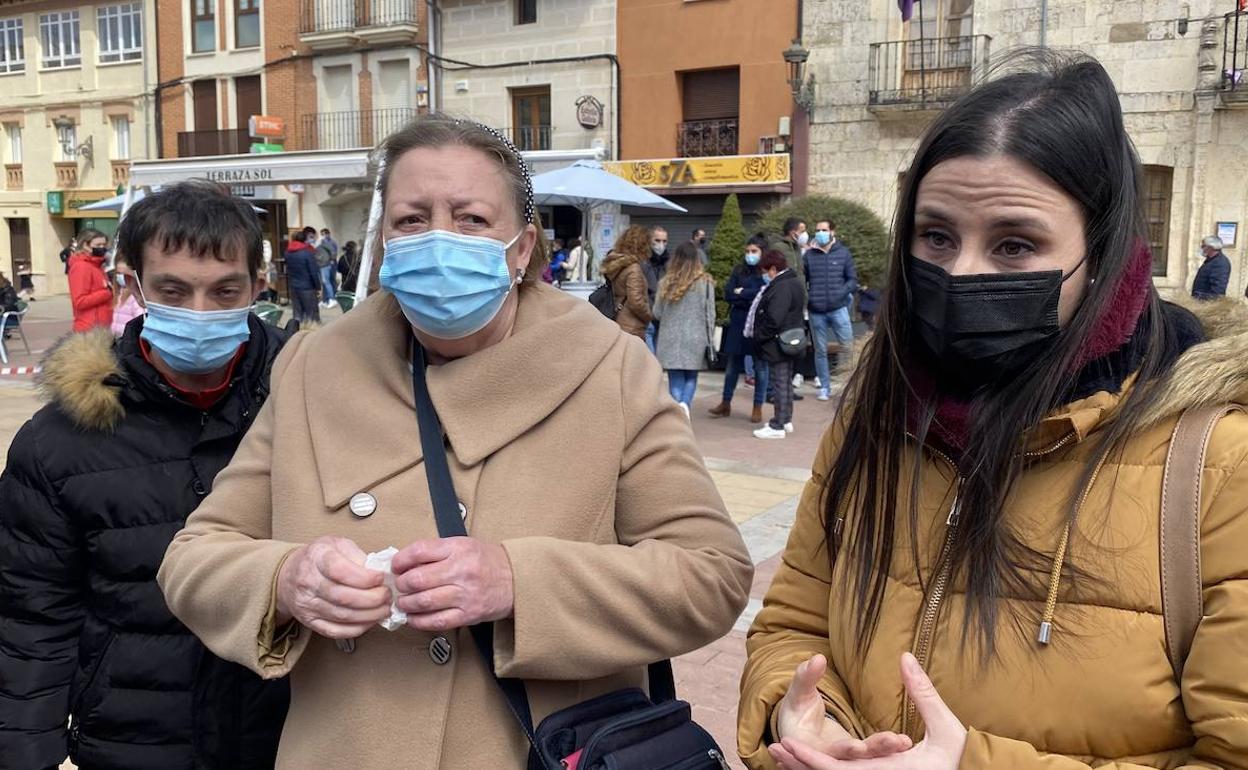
{"points": [[1061, 115]]}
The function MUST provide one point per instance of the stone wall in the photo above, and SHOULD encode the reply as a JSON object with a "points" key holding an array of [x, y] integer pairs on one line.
{"points": [[484, 32], [1167, 77]]}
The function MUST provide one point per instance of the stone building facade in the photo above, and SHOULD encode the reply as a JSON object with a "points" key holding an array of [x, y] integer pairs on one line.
{"points": [[876, 93]]}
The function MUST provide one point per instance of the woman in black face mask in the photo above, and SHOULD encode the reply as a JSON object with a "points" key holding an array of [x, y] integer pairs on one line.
{"points": [[975, 577]]}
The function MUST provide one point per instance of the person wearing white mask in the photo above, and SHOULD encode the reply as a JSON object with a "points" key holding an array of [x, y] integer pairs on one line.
{"points": [[445, 383], [792, 244], [93, 664]]}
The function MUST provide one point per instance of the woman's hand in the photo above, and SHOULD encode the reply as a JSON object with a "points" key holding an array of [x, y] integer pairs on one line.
{"points": [[940, 749], [453, 582], [802, 719], [325, 586]]}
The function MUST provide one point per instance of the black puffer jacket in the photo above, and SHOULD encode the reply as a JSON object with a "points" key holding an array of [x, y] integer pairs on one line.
{"points": [[97, 483], [782, 307]]}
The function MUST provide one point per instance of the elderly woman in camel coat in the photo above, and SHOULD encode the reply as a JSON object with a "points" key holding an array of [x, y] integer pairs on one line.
{"points": [[629, 559]]}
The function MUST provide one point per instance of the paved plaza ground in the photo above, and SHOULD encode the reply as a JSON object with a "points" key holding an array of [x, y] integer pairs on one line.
{"points": [[760, 482]]}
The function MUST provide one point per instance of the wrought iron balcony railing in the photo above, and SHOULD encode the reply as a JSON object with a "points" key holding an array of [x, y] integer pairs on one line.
{"points": [[352, 129], [531, 137], [925, 72], [707, 138], [321, 16]]}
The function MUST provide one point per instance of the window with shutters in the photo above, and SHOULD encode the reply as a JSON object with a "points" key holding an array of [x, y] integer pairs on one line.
{"points": [[12, 48], [121, 137], [58, 33], [13, 135], [530, 114], [1158, 187], [203, 25], [121, 32], [711, 105], [246, 23]]}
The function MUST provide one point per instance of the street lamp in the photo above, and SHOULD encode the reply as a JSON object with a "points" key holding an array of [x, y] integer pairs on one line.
{"points": [[803, 89], [86, 149]]}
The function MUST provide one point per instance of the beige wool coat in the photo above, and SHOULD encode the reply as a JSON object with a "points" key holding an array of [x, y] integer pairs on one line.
{"points": [[624, 557]]}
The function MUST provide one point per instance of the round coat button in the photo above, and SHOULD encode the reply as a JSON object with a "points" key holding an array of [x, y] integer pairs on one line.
{"points": [[199, 488], [363, 505], [463, 510], [440, 650]]}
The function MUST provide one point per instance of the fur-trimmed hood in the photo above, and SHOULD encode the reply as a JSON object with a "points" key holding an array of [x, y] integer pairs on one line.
{"points": [[91, 376], [1211, 372], [82, 375]]}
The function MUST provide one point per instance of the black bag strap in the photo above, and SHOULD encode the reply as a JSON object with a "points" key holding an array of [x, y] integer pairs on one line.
{"points": [[451, 524]]}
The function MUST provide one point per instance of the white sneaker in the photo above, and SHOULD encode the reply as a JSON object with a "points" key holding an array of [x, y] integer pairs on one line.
{"points": [[788, 427], [818, 382], [798, 380], [768, 432], [685, 407], [823, 394]]}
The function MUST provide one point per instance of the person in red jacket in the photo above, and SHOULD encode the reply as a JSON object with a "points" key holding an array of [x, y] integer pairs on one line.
{"points": [[88, 285]]}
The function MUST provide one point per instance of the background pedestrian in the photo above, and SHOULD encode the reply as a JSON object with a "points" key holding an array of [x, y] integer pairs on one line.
{"points": [[742, 286], [623, 269], [781, 307], [686, 309]]}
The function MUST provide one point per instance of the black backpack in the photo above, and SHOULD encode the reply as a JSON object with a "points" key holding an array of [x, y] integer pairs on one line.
{"points": [[603, 298]]}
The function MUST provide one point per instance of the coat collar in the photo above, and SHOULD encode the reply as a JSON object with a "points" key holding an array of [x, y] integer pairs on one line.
{"points": [[358, 382]]}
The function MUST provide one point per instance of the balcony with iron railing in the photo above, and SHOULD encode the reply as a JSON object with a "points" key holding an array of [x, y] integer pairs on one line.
{"points": [[1232, 83], [198, 144], [928, 73], [708, 138], [326, 24], [528, 138], [352, 129]]}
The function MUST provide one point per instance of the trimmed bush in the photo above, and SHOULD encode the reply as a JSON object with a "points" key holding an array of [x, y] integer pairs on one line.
{"points": [[725, 250], [856, 225]]}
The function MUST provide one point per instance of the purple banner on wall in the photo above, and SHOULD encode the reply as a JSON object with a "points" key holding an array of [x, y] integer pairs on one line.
{"points": [[907, 8]]}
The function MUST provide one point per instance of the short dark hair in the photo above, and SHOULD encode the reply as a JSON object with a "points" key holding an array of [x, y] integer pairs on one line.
{"points": [[697, 230], [831, 225], [202, 216], [324, 231], [791, 224], [301, 236], [759, 240], [774, 259]]}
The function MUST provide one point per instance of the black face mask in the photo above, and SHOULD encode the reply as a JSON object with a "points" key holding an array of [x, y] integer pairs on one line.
{"points": [[980, 329], [99, 251]]}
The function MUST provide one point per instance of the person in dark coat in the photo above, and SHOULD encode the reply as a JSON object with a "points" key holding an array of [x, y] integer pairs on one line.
{"points": [[349, 266], [781, 308], [655, 268], [303, 279], [1214, 275], [831, 281], [743, 285], [97, 484]]}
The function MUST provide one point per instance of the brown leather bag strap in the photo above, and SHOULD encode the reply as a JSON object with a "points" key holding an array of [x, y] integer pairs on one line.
{"points": [[1182, 602]]}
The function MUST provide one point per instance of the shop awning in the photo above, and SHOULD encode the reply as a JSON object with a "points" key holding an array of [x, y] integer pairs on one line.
{"points": [[306, 167]]}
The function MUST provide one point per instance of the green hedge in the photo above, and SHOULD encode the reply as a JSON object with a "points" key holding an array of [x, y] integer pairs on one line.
{"points": [[726, 249], [856, 225]]}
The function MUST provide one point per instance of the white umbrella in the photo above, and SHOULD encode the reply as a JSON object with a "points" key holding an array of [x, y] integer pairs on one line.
{"points": [[118, 202], [587, 185]]}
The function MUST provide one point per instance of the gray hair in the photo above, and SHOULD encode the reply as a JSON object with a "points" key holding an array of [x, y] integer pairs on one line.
{"points": [[1213, 242]]}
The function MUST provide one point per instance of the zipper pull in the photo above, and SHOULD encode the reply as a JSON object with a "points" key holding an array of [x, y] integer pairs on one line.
{"points": [[715, 755], [955, 513]]}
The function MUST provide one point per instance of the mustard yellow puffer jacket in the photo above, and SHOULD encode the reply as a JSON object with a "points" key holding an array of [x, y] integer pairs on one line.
{"points": [[1102, 693]]}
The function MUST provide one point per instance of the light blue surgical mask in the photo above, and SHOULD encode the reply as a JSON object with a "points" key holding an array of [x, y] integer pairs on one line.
{"points": [[450, 286], [767, 278], [752, 259], [195, 341], [823, 237]]}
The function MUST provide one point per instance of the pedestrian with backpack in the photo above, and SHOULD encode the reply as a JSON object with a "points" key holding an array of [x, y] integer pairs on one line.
{"points": [[627, 278], [1022, 545]]}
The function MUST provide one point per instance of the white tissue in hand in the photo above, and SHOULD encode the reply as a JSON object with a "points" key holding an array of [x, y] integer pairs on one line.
{"points": [[380, 561]]}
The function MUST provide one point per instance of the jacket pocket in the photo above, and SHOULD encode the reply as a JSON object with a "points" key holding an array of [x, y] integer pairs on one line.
{"points": [[80, 700]]}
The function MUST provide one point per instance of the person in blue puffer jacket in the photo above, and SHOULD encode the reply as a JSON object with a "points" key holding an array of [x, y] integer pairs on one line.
{"points": [[831, 281]]}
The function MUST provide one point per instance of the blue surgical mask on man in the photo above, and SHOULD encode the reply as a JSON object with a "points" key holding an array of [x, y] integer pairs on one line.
{"points": [[823, 237], [449, 286], [195, 341]]}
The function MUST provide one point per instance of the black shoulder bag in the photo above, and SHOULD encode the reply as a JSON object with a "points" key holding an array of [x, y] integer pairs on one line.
{"points": [[622, 730]]}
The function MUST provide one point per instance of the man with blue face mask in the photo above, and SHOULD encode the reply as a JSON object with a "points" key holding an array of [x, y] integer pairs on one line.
{"points": [[831, 281], [96, 485]]}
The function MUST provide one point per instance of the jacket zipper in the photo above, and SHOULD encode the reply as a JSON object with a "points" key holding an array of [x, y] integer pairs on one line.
{"points": [[75, 729], [922, 649]]}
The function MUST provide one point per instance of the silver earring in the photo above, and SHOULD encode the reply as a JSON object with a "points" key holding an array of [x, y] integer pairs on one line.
{"points": [[520, 275]]}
